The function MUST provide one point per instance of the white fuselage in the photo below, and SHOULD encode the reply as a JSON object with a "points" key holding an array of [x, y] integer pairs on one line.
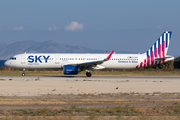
{"points": [[57, 61]]}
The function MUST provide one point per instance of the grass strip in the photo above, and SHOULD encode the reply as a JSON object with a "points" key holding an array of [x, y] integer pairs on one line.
{"points": [[149, 72], [173, 110]]}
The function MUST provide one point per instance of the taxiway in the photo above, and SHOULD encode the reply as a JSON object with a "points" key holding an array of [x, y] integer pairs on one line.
{"points": [[97, 84]]}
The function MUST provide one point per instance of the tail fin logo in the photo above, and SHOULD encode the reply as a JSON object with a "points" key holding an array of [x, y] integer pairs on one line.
{"points": [[159, 49], [157, 53]]}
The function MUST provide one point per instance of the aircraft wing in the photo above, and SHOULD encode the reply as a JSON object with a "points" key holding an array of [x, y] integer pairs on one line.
{"points": [[91, 64]]}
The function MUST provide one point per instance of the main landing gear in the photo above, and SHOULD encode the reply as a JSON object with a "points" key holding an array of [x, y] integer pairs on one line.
{"points": [[23, 74], [88, 74]]}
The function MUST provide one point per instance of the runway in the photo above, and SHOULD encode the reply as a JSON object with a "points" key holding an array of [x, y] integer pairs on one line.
{"points": [[97, 84]]}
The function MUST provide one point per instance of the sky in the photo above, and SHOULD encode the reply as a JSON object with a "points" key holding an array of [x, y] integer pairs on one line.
{"points": [[120, 25]]}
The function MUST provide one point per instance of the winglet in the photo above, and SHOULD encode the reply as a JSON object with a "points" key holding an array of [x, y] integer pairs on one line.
{"points": [[110, 55], [105, 52]]}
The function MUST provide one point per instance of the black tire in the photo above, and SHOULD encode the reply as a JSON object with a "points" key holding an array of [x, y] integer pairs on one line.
{"points": [[88, 74], [23, 74]]}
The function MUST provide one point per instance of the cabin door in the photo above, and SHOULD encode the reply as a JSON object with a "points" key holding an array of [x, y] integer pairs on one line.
{"points": [[57, 59], [23, 59]]}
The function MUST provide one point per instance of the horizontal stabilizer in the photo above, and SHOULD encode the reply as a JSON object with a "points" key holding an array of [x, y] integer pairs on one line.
{"points": [[164, 58]]}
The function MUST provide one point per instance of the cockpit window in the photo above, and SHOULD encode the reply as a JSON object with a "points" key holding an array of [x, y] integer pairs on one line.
{"points": [[13, 58]]}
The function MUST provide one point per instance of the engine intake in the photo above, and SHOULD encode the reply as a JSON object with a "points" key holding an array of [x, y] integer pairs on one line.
{"points": [[70, 69]]}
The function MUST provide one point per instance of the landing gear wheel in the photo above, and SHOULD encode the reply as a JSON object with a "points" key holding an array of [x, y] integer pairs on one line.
{"points": [[88, 74], [23, 74]]}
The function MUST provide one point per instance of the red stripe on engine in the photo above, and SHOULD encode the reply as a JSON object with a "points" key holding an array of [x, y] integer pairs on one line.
{"points": [[137, 66]]}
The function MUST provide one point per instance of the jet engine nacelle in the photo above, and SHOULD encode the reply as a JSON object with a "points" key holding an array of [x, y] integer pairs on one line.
{"points": [[70, 69]]}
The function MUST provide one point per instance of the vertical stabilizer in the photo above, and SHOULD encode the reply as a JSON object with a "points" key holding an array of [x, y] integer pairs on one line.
{"points": [[158, 50]]}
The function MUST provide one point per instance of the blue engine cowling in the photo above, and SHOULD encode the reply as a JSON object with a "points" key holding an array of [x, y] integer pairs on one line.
{"points": [[70, 69]]}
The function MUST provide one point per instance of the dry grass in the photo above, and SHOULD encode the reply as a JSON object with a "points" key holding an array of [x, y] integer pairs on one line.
{"points": [[5, 101], [89, 118], [138, 72], [173, 110], [120, 112], [156, 72]]}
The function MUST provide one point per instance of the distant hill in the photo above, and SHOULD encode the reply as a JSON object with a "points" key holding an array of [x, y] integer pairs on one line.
{"points": [[9, 50]]}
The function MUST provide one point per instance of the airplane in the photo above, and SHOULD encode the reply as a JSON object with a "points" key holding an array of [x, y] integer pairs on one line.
{"points": [[72, 64]]}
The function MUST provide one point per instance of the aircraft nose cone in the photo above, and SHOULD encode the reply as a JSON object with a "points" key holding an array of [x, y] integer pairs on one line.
{"points": [[6, 63]]}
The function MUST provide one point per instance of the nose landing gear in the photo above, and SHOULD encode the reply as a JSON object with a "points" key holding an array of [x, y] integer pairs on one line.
{"points": [[23, 74]]}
